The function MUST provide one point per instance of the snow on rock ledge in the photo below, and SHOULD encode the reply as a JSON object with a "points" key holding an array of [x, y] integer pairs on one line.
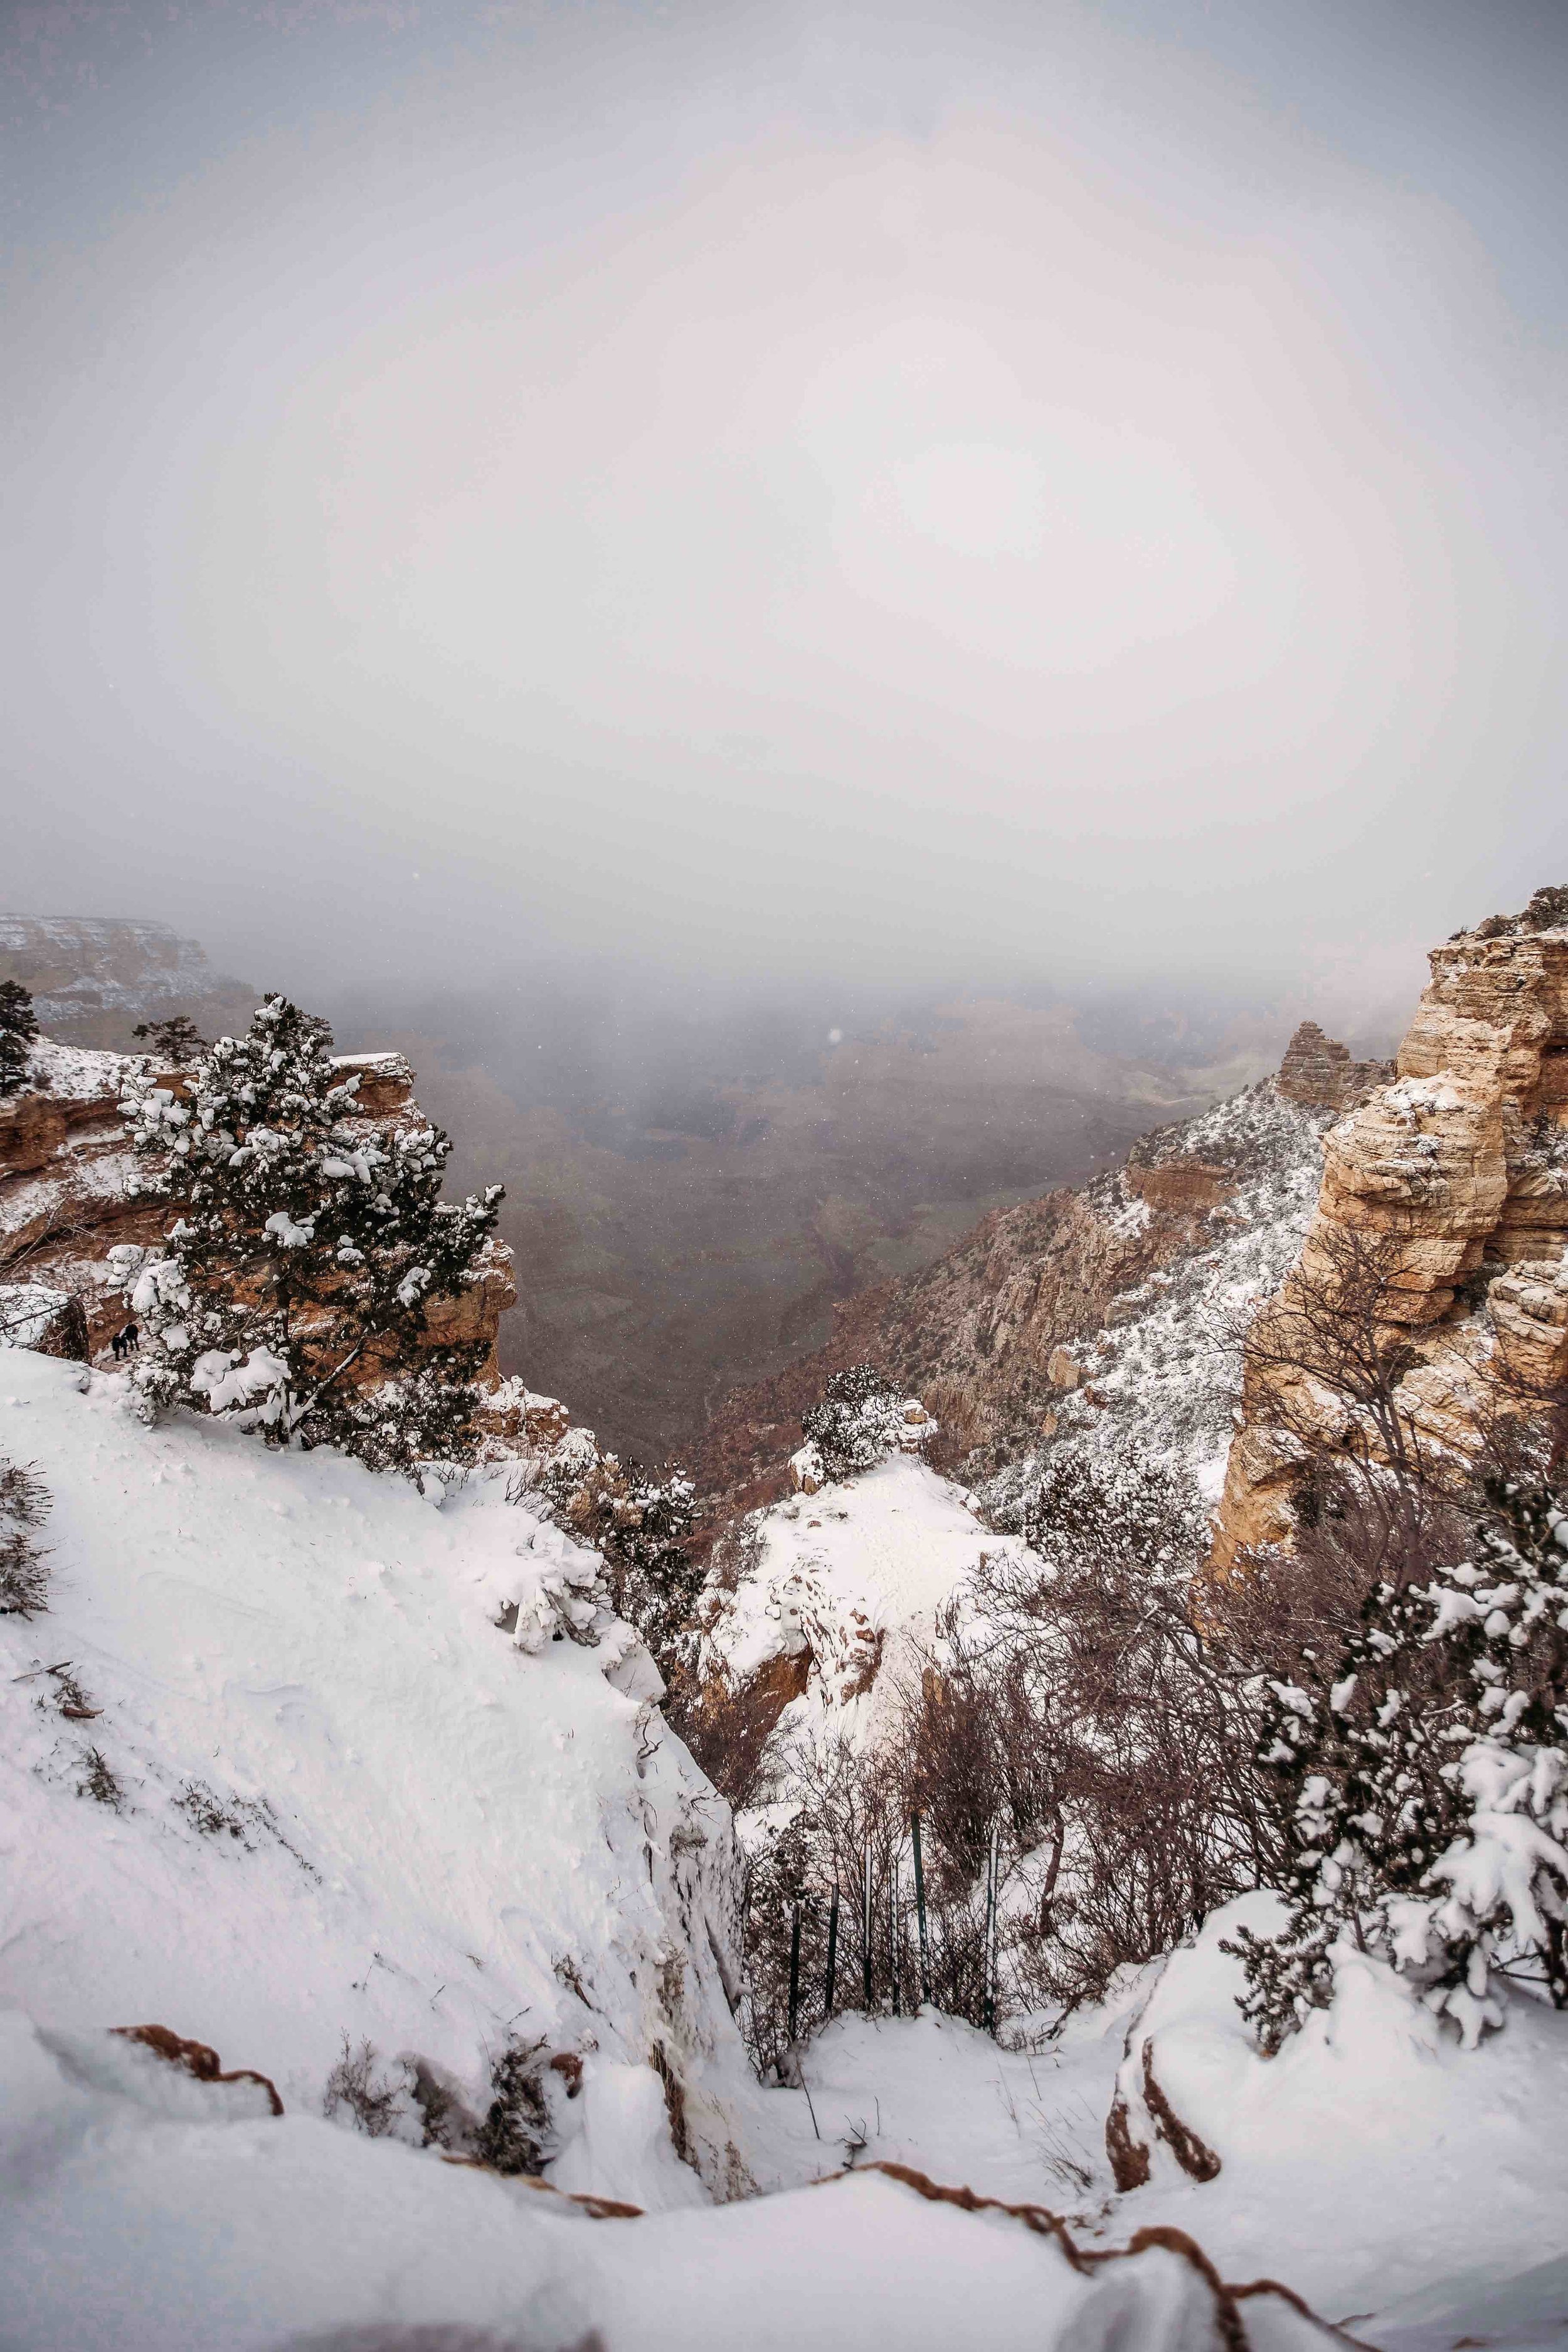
{"points": [[839, 1581]]}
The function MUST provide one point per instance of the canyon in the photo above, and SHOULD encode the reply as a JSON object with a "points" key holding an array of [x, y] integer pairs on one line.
{"points": [[693, 1187]]}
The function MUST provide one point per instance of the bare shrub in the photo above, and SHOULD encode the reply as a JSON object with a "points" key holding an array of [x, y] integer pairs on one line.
{"points": [[99, 1781], [24, 1503], [515, 2132], [727, 1725], [373, 2103], [444, 2121], [406, 2099]]}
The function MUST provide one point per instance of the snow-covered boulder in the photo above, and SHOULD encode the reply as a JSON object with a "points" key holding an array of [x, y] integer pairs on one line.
{"points": [[1373, 2155]]}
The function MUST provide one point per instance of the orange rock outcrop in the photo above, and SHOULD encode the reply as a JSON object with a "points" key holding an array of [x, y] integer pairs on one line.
{"points": [[66, 1201], [1455, 1176]]}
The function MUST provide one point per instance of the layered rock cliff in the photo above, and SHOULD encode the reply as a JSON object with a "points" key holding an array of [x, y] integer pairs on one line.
{"points": [[66, 1203], [1318, 1072], [1448, 1189], [92, 978]]}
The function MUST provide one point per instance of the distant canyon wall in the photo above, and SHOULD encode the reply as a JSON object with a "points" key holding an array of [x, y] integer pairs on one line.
{"points": [[92, 978]]}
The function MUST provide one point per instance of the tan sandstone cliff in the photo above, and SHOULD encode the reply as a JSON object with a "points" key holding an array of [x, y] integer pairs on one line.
{"points": [[1453, 1179], [1318, 1072]]}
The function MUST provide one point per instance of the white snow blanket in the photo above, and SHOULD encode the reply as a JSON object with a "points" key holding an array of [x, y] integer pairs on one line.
{"points": [[336, 1798], [140, 2210], [1400, 2183]]}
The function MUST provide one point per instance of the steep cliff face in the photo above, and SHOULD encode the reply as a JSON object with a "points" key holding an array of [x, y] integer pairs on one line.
{"points": [[66, 1201], [1452, 1181], [92, 978]]}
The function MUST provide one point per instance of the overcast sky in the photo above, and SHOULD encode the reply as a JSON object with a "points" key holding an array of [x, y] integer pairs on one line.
{"points": [[966, 494]]}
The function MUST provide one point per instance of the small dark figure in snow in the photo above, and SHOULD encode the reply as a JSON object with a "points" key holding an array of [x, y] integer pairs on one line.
{"points": [[126, 1342]]}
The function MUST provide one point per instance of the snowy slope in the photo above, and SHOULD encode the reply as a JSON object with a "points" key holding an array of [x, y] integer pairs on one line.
{"points": [[348, 1804], [1163, 1375], [132, 2220], [273, 1776], [1410, 2188], [848, 1579]]}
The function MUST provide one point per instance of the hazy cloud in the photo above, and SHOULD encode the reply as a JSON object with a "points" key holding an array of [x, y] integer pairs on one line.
{"points": [[979, 495]]}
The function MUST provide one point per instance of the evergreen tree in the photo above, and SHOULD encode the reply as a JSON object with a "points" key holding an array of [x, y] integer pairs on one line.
{"points": [[859, 1421], [18, 1027], [1425, 1785], [292, 1290], [177, 1039]]}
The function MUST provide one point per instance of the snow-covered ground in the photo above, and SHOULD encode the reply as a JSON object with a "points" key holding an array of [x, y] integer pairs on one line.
{"points": [[132, 2220], [1411, 2190], [77, 1072], [273, 1774], [849, 1576], [333, 1798]]}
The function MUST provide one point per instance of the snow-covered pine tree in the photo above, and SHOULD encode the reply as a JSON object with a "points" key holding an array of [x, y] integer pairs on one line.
{"points": [[18, 1027], [292, 1293], [1425, 1782], [859, 1421]]}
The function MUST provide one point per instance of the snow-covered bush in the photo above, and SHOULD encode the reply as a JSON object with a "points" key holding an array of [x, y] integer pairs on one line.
{"points": [[860, 1420], [18, 1027], [23, 1506], [1425, 1783], [291, 1292], [513, 2136], [641, 1521]]}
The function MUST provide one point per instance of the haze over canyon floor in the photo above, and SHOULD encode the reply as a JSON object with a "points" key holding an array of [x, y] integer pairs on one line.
{"points": [[694, 1180]]}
